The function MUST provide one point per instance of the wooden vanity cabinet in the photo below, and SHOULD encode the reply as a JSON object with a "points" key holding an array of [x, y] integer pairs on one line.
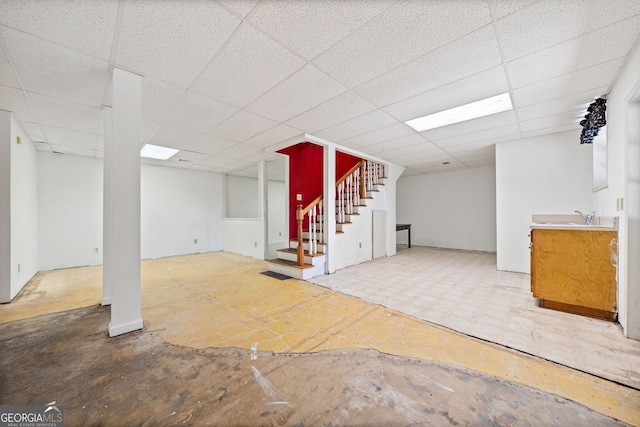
{"points": [[575, 270]]}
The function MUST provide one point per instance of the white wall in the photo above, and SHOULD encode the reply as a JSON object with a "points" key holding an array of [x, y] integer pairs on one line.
{"points": [[24, 209], [549, 174], [69, 210], [242, 197], [451, 210], [624, 91], [5, 206], [177, 206]]}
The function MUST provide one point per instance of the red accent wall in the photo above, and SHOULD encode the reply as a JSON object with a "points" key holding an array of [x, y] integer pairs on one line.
{"points": [[305, 177], [344, 162]]}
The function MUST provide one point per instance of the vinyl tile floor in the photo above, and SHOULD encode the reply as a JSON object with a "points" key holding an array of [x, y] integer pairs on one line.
{"points": [[221, 301]]}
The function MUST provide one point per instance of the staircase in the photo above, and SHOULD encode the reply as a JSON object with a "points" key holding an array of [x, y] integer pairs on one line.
{"points": [[306, 255]]}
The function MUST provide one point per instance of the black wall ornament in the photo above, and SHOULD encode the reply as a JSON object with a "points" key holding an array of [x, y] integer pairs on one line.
{"points": [[593, 121]]}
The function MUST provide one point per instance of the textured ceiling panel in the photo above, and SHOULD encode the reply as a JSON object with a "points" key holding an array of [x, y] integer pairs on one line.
{"points": [[246, 67], [273, 136], [88, 25], [468, 55], [241, 151], [7, 76], [486, 143], [557, 21], [210, 144], [198, 113], [70, 138], [365, 123], [590, 78], [470, 126], [66, 114], [34, 130], [419, 150], [576, 103], [610, 43], [167, 136], [302, 91], [173, 41], [241, 7], [337, 110], [158, 98], [310, 27], [390, 132], [242, 126], [552, 121], [398, 143], [509, 130], [502, 8], [50, 69], [473, 88], [12, 99], [403, 32]]}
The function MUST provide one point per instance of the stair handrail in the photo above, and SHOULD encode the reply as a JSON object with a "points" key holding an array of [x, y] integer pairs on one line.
{"points": [[346, 175], [300, 213]]}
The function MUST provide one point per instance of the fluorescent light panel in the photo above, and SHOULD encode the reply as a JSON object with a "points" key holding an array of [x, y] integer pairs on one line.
{"points": [[482, 108], [157, 152]]}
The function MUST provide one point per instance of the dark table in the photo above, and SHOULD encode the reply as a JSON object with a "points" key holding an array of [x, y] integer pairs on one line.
{"points": [[400, 227]]}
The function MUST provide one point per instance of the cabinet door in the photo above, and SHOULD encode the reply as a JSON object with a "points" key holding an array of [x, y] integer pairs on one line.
{"points": [[575, 267]]}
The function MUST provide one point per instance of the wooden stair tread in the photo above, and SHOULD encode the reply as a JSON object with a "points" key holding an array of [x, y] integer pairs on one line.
{"points": [[295, 251]]}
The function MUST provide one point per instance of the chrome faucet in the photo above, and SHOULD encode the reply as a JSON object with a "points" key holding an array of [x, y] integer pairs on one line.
{"points": [[588, 218]]}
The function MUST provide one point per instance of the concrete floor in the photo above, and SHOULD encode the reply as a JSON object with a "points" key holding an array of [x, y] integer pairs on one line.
{"points": [[319, 358]]}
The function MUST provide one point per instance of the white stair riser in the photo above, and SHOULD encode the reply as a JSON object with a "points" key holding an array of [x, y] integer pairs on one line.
{"points": [[298, 273], [313, 260], [321, 246]]}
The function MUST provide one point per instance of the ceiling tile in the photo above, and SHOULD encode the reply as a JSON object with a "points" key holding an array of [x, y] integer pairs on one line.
{"points": [[379, 135], [403, 32], [549, 22], [73, 139], [419, 150], [67, 74], [198, 113], [554, 129], [173, 42], [580, 81], [241, 7], [167, 136], [241, 126], [553, 121], [487, 134], [336, 110], [470, 126], [477, 153], [473, 88], [241, 151], [438, 167], [392, 145], [12, 99], [246, 67], [410, 172], [609, 43], [310, 27], [428, 157], [148, 127], [158, 98], [83, 152], [502, 8], [485, 143], [185, 156], [263, 156], [7, 76], [273, 136], [576, 103], [363, 124], [466, 56], [210, 144], [80, 25], [66, 114], [300, 92]]}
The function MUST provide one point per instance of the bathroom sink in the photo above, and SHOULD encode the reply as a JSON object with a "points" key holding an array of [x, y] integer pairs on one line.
{"points": [[573, 222]]}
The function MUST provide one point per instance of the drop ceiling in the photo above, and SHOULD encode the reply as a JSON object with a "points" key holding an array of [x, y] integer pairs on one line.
{"points": [[226, 81]]}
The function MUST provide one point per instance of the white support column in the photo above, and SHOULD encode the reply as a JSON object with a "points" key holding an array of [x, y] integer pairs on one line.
{"points": [[329, 201], [107, 209], [263, 189], [5, 206], [122, 174]]}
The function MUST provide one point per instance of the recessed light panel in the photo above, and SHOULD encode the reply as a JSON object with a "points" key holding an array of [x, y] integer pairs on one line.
{"points": [[484, 107], [157, 152]]}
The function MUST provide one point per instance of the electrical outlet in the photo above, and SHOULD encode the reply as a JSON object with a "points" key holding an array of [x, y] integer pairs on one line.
{"points": [[195, 241], [360, 245], [18, 268], [255, 244], [280, 234], [96, 250], [299, 197], [620, 204]]}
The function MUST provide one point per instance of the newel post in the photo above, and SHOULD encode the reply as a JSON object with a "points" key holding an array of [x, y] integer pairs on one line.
{"points": [[299, 217], [363, 192]]}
